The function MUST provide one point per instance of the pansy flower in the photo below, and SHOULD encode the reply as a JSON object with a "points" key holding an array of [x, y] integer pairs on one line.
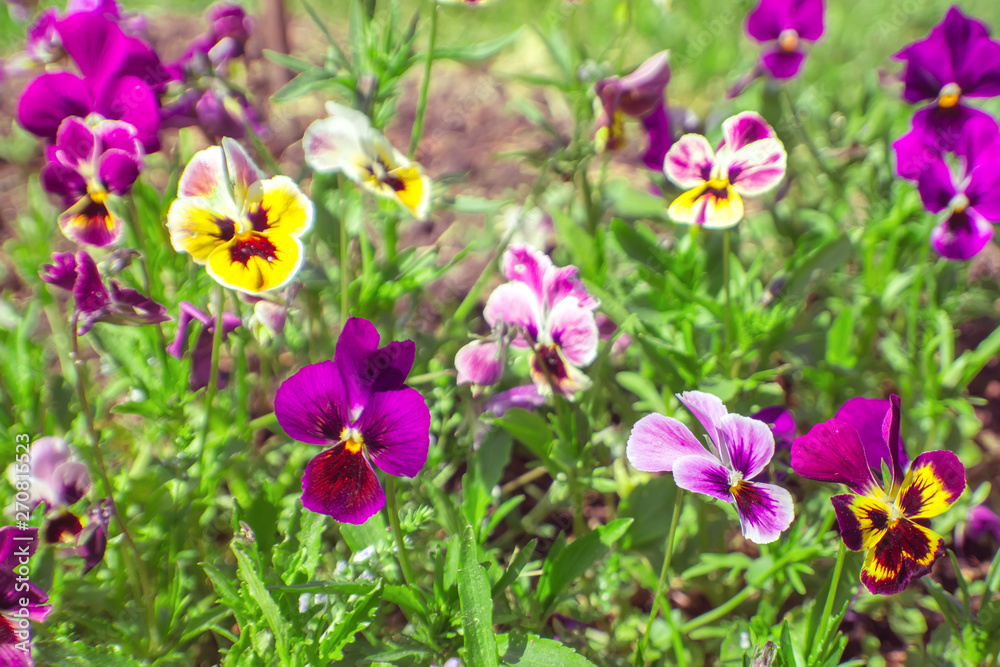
{"points": [[547, 310], [346, 143], [742, 449], [93, 302], [358, 407], [17, 546], [87, 166], [957, 60], [886, 512], [120, 76], [783, 25], [243, 227], [639, 95], [749, 161], [201, 356]]}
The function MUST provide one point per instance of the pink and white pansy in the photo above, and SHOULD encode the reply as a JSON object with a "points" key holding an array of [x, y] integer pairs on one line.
{"points": [[748, 162], [543, 308], [743, 448]]}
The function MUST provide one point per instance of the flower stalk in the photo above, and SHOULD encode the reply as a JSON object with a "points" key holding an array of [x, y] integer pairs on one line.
{"points": [[669, 551], [392, 511]]}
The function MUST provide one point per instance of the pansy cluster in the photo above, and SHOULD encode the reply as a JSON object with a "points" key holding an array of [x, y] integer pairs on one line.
{"points": [[952, 151]]}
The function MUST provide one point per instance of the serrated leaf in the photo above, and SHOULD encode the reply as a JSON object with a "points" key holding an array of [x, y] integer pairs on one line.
{"points": [[259, 593], [342, 633], [477, 606], [532, 651]]}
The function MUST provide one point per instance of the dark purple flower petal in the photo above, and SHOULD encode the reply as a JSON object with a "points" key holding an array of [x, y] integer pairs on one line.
{"points": [[89, 293], [869, 418], [764, 510], [935, 186], [659, 137], [215, 118], [12, 541], [130, 99], [782, 64], [70, 481], [312, 405], [75, 142], [188, 313], [62, 527], [961, 236], [364, 368], [395, 426], [943, 128], [118, 170], [201, 356], [981, 521], [129, 306], [641, 92], [50, 99], [832, 452], [62, 180], [782, 424], [748, 442], [62, 272], [93, 541], [342, 484]]}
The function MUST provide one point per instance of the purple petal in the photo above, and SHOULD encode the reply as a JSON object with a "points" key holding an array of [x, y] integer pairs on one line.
{"points": [[642, 90], [50, 99], [132, 307], [574, 330], [807, 19], [782, 424], [982, 521], [978, 73], [765, 510], [748, 442], [768, 19], [70, 482], [942, 128], [702, 474], [343, 485], [12, 541], [709, 410], [188, 313], [757, 167], [118, 171], [689, 161], [659, 137], [524, 264], [131, 100], [525, 397], [75, 142], [216, 119], [89, 293], [62, 272], [875, 451], [851, 530], [656, 442], [91, 223], [983, 189], [515, 304], [95, 43], [312, 404], [832, 452], [364, 368], [479, 363], [868, 417], [121, 135], [782, 64], [396, 426], [561, 283], [961, 236], [935, 186], [61, 179], [914, 154], [744, 129]]}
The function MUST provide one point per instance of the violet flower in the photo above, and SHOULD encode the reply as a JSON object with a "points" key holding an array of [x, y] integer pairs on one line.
{"points": [[480, 363], [639, 95], [885, 511], [781, 422], [981, 522], [783, 25], [92, 542], [742, 449], [120, 75], [86, 166], [523, 396], [57, 478], [93, 301], [957, 60], [201, 356], [21, 601], [357, 406]]}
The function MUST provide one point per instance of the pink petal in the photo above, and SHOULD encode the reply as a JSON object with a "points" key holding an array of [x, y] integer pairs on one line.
{"points": [[524, 264], [709, 410], [757, 167], [703, 474], [765, 510], [656, 442], [516, 305], [574, 330], [744, 129], [749, 443], [689, 161], [479, 363]]}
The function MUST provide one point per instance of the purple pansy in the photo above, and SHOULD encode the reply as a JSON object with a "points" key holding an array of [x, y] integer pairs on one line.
{"points": [[119, 78], [544, 308], [86, 166], [783, 25], [92, 300], [201, 356], [92, 542], [781, 422], [884, 515], [743, 448], [955, 61], [57, 478], [523, 396], [981, 522], [21, 601], [639, 95], [357, 406]]}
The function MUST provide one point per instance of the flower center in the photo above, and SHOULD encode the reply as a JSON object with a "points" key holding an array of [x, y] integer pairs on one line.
{"points": [[352, 439], [959, 203], [548, 362], [97, 195], [717, 186], [895, 514], [949, 95], [788, 40], [735, 481]]}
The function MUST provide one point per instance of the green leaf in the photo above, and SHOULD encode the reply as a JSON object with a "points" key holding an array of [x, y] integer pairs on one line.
{"points": [[247, 571], [840, 340], [559, 572], [477, 606], [514, 568], [532, 651], [291, 62], [303, 83], [342, 633], [476, 52], [529, 428]]}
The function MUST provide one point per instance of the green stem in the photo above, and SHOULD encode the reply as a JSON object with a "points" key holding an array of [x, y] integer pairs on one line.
{"points": [[824, 620], [425, 85], [726, 250], [213, 380], [397, 532], [918, 283], [343, 250], [720, 611], [144, 588], [671, 534]]}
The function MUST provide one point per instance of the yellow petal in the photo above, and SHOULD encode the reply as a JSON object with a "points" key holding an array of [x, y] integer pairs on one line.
{"points": [[412, 188], [255, 262], [286, 210], [197, 229], [713, 205]]}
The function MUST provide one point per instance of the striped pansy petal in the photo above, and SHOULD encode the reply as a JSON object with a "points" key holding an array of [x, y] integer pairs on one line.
{"points": [[934, 481], [689, 161], [744, 129], [757, 167], [765, 510], [282, 208], [713, 205], [205, 176], [197, 228], [863, 521], [905, 552], [90, 221], [255, 262]]}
